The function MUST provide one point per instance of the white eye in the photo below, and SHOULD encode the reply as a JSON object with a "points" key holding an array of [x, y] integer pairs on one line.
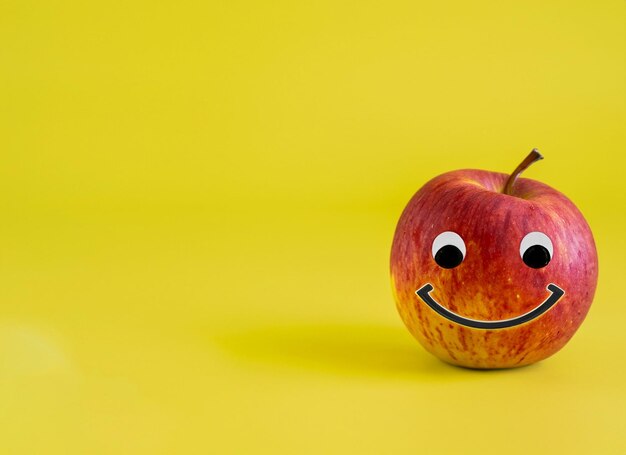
{"points": [[448, 249], [536, 249]]}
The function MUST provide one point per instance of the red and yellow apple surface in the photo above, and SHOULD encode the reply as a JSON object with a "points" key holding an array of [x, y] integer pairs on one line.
{"points": [[492, 271]]}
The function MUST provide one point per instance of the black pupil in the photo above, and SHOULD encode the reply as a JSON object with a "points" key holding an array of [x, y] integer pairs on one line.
{"points": [[536, 256], [448, 257]]}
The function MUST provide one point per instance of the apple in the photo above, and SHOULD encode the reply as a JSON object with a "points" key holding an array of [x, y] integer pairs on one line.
{"points": [[492, 271]]}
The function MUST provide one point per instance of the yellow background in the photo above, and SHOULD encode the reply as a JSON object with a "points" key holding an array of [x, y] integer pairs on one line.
{"points": [[198, 199]]}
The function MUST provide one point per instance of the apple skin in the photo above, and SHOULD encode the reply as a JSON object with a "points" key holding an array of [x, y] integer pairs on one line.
{"points": [[492, 282]]}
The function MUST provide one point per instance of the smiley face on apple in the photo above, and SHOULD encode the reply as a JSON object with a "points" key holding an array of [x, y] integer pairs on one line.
{"points": [[489, 271]]}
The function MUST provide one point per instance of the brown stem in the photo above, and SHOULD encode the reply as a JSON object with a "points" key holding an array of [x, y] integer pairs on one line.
{"points": [[533, 156]]}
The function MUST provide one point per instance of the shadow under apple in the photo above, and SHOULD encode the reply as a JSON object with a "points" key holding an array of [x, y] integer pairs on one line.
{"points": [[356, 350]]}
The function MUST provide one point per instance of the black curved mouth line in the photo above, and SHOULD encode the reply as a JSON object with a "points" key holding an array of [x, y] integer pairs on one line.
{"points": [[555, 295]]}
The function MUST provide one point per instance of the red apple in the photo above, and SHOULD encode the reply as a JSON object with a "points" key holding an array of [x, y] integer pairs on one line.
{"points": [[489, 271]]}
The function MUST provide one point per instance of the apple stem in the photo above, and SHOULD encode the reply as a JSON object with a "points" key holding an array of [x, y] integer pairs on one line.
{"points": [[533, 156]]}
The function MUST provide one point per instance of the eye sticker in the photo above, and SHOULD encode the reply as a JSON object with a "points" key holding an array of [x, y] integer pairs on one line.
{"points": [[536, 250], [448, 250]]}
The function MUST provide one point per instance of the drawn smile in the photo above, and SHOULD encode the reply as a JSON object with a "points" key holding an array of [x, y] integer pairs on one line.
{"points": [[555, 295]]}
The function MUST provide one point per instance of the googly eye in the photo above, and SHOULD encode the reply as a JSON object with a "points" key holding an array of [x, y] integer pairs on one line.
{"points": [[536, 250], [448, 250]]}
